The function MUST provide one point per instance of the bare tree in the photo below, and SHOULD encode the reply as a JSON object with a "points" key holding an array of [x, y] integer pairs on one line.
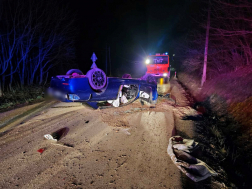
{"points": [[206, 47], [34, 37], [230, 39], [231, 33]]}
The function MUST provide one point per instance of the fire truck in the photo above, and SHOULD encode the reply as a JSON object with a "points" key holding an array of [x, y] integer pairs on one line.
{"points": [[158, 65]]}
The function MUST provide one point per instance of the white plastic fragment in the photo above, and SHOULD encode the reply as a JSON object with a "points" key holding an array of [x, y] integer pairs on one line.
{"points": [[49, 137], [124, 99], [187, 145], [144, 94], [116, 103]]}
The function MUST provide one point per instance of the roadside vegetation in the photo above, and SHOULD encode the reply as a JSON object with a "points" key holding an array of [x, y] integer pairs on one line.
{"points": [[225, 99], [19, 97], [225, 127], [32, 43]]}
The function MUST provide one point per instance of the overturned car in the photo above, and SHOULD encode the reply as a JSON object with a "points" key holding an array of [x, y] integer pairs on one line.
{"points": [[96, 89]]}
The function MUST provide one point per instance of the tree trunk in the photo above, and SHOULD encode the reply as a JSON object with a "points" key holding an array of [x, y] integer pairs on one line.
{"points": [[32, 79], [1, 92], [2, 84], [41, 75], [206, 48], [11, 77], [22, 80], [28, 77], [40, 65]]}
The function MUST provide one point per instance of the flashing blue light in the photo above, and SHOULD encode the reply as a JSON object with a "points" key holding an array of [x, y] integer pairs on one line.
{"points": [[166, 53], [150, 54]]}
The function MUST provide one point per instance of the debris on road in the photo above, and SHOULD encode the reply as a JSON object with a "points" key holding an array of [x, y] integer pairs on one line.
{"points": [[179, 150], [41, 150], [57, 135], [49, 137], [126, 131], [165, 95], [185, 145]]}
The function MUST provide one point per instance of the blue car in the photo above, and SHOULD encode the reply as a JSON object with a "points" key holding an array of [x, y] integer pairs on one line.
{"points": [[95, 89]]}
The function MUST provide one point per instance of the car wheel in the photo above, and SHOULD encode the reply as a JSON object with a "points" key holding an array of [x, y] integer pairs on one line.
{"points": [[149, 78], [126, 76], [70, 72], [97, 78]]}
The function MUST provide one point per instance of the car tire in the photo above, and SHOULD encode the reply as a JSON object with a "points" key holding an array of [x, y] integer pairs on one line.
{"points": [[70, 72], [126, 76], [149, 78], [97, 78]]}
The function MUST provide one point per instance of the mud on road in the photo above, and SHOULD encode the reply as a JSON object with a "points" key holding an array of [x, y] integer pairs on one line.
{"points": [[108, 148]]}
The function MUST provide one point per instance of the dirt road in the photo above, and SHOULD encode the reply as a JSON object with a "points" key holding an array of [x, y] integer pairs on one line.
{"points": [[108, 148]]}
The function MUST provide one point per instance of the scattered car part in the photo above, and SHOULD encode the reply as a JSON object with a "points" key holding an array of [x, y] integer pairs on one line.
{"points": [[41, 150], [49, 137]]}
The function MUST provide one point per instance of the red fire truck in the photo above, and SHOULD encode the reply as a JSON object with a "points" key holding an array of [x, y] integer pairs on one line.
{"points": [[158, 65]]}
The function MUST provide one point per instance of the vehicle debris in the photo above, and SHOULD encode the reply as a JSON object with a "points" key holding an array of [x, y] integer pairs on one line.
{"points": [[49, 137], [180, 150], [57, 135], [41, 150]]}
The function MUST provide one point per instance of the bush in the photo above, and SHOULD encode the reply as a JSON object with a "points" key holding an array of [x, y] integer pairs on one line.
{"points": [[19, 96], [226, 126]]}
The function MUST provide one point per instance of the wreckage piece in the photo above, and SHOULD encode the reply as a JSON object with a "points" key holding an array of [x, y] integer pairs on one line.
{"points": [[179, 151], [185, 145], [49, 137], [95, 88], [57, 135], [41, 150]]}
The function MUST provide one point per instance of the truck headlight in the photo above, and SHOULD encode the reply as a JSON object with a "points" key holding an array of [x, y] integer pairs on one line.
{"points": [[147, 61], [165, 74]]}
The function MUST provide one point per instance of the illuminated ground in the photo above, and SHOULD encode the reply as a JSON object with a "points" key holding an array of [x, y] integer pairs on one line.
{"points": [[109, 148]]}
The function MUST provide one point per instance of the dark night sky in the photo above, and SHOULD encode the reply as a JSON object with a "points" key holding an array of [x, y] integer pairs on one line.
{"points": [[132, 29]]}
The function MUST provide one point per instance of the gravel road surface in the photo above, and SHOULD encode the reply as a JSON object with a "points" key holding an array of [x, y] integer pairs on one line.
{"points": [[105, 148]]}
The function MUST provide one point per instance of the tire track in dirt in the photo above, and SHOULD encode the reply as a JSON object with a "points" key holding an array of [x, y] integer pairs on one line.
{"points": [[103, 155]]}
